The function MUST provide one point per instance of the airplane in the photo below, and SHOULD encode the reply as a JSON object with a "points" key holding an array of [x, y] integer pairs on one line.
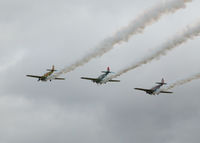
{"points": [[47, 76], [100, 79], [156, 89]]}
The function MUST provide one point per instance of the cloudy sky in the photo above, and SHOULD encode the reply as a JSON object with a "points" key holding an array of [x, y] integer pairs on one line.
{"points": [[35, 34]]}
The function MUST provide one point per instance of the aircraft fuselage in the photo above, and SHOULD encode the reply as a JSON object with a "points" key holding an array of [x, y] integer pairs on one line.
{"points": [[101, 78], [155, 90], [45, 76]]}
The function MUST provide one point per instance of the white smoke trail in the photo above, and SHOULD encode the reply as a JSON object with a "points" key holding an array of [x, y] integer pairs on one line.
{"points": [[187, 33], [184, 81], [137, 26]]}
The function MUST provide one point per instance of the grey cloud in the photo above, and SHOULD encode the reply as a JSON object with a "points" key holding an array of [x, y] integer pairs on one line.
{"points": [[60, 32]]}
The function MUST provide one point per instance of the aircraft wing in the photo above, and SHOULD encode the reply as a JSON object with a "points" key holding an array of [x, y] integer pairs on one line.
{"points": [[59, 78], [114, 81], [35, 76], [87, 78], [165, 91], [146, 90]]}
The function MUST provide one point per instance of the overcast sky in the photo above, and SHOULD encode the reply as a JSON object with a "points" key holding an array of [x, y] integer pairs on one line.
{"points": [[35, 34]]}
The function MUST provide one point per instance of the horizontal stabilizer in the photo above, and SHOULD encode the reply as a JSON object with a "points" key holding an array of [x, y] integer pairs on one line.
{"points": [[51, 70], [107, 72], [160, 83]]}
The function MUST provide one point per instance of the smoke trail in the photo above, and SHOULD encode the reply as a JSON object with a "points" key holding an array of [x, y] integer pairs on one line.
{"points": [[184, 81], [187, 33], [137, 26]]}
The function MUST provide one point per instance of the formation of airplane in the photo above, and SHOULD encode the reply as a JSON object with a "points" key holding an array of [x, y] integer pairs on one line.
{"points": [[101, 78], [156, 89], [47, 76]]}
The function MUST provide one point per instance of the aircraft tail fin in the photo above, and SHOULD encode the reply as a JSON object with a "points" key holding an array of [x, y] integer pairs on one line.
{"points": [[108, 70], [162, 82], [52, 70]]}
